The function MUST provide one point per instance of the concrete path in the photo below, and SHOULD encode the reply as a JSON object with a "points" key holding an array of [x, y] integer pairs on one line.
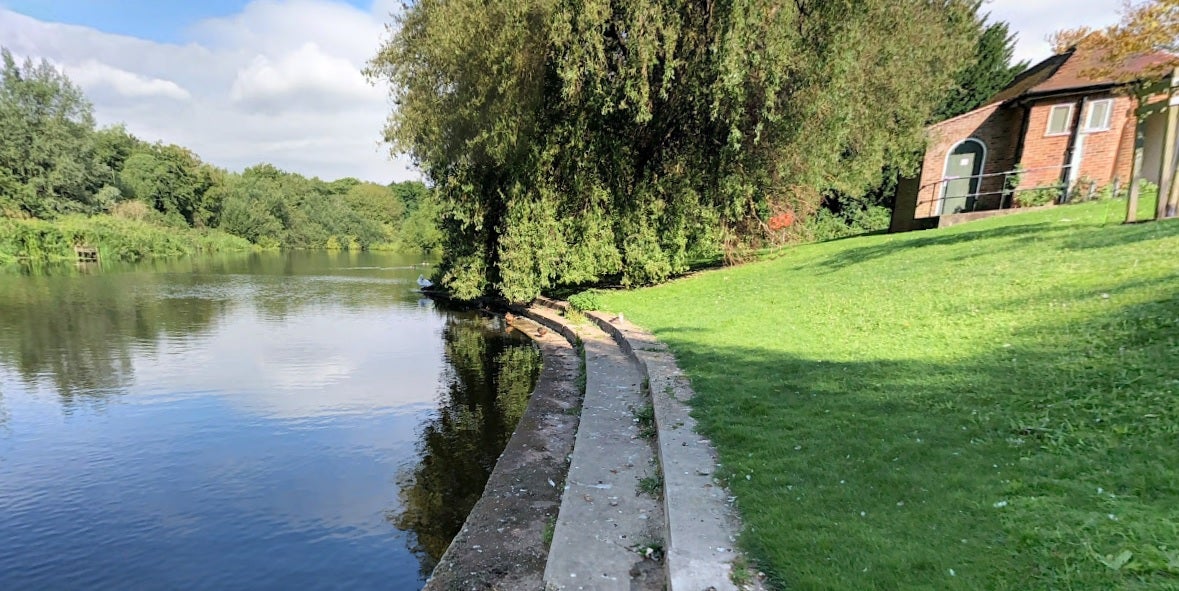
{"points": [[702, 524], [608, 535], [699, 525]]}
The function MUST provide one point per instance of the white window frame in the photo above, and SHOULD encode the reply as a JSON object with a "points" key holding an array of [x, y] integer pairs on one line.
{"points": [[1088, 128], [1068, 121]]}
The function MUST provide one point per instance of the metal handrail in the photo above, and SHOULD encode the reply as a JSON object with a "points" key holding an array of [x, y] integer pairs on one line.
{"points": [[943, 180], [1006, 194]]}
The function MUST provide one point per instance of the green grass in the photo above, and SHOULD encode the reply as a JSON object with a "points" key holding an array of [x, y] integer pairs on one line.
{"points": [[989, 406], [40, 241], [651, 484]]}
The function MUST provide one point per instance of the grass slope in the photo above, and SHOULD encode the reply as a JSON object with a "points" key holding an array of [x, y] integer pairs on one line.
{"points": [[989, 406]]}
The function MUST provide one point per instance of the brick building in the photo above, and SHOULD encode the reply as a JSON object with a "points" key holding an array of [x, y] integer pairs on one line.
{"points": [[1056, 125]]}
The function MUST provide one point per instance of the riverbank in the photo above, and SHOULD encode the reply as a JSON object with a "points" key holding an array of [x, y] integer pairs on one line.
{"points": [[117, 239], [986, 406], [504, 541]]}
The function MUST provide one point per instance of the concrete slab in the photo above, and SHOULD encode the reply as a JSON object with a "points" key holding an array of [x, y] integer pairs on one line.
{"points": [[702, 524], [604, 524]]}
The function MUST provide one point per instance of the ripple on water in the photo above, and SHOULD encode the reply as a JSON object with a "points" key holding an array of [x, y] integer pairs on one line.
{"points": [[258, 425]]}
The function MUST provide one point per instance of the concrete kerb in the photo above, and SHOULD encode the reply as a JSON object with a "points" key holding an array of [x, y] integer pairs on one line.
{"points": [[598, 541], [702, 525], [501, 544]]}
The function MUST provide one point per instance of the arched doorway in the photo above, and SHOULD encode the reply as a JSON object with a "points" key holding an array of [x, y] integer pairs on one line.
{"points": [[964, 164]]}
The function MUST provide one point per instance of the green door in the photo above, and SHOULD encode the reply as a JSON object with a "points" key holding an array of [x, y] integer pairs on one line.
{"points": [[963, 166]]}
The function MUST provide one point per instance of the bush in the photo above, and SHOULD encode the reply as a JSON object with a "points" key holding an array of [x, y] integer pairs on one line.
{"points": [[590, 299], [827, 225], [116, 239], [1041, 195], [133, 210]]}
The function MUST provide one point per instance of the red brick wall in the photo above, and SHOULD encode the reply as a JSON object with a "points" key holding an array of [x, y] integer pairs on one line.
{"points": [[1104, 157], [1108, 155], [997, 127]]}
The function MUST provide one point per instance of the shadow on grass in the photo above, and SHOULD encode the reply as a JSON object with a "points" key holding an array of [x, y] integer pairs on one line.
{"points": [[1028, 467], [1077, 237], [865, 254], [1099, 237]]}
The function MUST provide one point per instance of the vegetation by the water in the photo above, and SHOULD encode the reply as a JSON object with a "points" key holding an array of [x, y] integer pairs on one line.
{"points": [[115, 238], [157, 199], [573, 141], [989, 406]]}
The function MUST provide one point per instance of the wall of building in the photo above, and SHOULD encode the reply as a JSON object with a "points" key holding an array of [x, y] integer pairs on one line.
{"points": [[996, 126], [1106, 155]]}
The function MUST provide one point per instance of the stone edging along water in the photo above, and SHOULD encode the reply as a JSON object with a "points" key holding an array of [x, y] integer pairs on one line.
{"points": [[502, 544], [702, 525]]}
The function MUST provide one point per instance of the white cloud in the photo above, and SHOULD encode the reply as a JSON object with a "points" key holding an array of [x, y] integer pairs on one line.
{"points": [[307, 77], [278, 82], [92, 74]]}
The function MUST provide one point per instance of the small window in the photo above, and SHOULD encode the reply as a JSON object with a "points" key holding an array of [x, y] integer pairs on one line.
{"points": [[1060, 119], [1099, 115]]}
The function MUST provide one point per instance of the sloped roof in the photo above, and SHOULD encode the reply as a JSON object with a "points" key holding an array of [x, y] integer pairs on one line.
{"points": [[1031, 78], [1067, 72]]}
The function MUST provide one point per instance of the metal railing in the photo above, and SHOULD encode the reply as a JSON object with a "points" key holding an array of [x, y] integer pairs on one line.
{"points": [[1006, 194]]}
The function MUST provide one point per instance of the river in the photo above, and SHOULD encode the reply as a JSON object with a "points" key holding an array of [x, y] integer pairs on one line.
{"points": [[293, 420]]}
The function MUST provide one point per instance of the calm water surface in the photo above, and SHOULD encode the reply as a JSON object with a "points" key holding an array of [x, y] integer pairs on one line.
{"points": [[265, 421]]}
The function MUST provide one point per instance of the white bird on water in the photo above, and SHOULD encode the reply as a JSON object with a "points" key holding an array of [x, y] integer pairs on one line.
{"points": [[424, 283]]}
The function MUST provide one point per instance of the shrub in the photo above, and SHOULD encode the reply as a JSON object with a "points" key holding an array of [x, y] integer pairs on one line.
{"points": [[132, 210], [116, 239], [1041, 195], [590, 299]]}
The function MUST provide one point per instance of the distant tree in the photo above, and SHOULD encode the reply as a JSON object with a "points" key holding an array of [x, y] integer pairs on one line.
{"points": [[989, 72], [574, 140], [112, 147], [410, 193], [376, 202], [170, 178], [342, 186], [248, 209], [47, 160], [1148, 27], [420, 231]]}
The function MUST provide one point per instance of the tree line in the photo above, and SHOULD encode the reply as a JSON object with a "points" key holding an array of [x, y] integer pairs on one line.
{"points": [[55, 162], [572, 142]]}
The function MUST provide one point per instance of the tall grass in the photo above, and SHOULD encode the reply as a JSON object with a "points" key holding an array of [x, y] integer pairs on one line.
{"points": [[39, 241]]}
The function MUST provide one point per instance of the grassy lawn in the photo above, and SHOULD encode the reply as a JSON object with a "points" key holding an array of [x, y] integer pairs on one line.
{"points": [[990, 406]]}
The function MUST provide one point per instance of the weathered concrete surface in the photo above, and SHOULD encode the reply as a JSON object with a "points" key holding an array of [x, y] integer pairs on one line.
{"points": [[702, 525], [605, 525], [502, 543]]}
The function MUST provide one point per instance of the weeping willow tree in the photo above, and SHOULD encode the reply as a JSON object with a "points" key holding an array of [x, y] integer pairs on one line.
{"points": [[572, 140]]}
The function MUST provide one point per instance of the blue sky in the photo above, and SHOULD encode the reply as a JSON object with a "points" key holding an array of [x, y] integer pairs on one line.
{"points": [[166, 21]]}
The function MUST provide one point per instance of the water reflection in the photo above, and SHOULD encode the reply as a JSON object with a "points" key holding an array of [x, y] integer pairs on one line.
{"points": [[296, 420], [488, 380], [77, 333]]}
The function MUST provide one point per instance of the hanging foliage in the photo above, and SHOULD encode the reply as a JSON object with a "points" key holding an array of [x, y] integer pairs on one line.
{"points": [[571, 141]]}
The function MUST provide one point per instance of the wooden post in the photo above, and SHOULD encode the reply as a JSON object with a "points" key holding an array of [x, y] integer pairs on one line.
{"points": [[1167, 176], [1172, 206], [1136, 167]]}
